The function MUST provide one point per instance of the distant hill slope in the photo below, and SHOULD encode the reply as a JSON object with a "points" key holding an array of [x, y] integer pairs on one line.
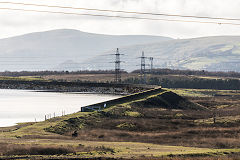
{"points": [[73, 50], [46, 50], [208, 53]]}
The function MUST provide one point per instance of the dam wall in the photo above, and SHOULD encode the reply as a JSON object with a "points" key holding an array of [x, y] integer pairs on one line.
{"points": [[124, 99]]}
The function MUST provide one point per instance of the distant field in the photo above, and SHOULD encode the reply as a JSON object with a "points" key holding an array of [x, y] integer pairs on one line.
{"points": [[110, 77], [88, 77], [22, 78]]}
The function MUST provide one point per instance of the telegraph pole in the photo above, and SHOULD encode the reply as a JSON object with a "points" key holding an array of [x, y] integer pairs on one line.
{"points": [[143, 68]]}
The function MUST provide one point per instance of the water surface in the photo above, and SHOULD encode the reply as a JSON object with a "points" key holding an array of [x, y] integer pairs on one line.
{"points": [[29, 106]]}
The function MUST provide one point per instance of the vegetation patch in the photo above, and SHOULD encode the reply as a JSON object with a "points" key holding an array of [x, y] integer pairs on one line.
{"points": [[179, 115], [67, 125], [132, 114], [21, 149], [169, 100], [23, 78], [126, 125]]}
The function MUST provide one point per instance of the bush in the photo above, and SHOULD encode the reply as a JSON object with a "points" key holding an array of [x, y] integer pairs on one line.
{"points": [[28, 150]]}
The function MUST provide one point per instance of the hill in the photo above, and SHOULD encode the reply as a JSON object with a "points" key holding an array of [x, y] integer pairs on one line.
{"points": [[220, 53], [72, 50], [46, 50]]}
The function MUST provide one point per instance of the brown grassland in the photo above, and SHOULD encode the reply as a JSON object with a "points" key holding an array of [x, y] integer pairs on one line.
{"points": [[109, 77], [198, 124]]}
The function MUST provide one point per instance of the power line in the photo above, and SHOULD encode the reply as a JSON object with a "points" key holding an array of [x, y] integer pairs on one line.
{"points": [[117, 67], [39, 64], [124, 17], [71, 56], [143, 68], [19, 61], [151, 65], [123, 11]]}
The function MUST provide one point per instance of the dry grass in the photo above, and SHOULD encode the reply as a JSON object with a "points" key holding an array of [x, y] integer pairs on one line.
{"points": [[159, 125], [15, 149], [110, 77], [92, 149], [164, 131], [88, 77], [22, 78]]}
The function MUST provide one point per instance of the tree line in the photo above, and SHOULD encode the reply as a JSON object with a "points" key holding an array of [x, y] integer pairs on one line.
{"points": [[43, 73], [166, 71], [195, 83]]}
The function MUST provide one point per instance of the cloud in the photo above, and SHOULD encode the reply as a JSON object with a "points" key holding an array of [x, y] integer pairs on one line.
{"points": [[17, 22]]}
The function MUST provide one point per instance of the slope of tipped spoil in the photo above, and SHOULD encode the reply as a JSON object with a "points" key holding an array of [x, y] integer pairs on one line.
{"points": [[150, 113], [168, 100]]}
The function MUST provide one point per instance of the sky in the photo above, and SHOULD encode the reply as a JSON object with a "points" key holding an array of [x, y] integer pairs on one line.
{"points": [[14, 23]]}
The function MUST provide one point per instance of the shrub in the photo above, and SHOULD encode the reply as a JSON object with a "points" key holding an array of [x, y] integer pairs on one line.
{"points": [[38, 150]]}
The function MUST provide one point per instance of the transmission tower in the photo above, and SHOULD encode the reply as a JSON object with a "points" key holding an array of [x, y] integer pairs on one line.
{"points": [[143, 68], [117, 67], [151, 65]]}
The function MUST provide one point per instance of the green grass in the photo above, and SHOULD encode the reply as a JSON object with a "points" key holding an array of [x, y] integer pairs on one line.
{"points": [[128, 149], [191, 92], [22, 78], [126, 125], [38, 128], [132, 114], [35, 133], [203, 92], [223, 119]]}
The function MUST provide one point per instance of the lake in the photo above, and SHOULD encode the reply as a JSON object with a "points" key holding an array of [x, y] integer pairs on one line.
{"points": [[30, 106]]}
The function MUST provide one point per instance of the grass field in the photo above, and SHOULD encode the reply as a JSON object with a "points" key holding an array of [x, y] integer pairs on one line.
{"points": [[23, 78], [143, 129], [124, 76], [127, 150]]}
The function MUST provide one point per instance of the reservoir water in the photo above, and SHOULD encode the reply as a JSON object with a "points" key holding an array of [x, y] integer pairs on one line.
{"points": [[30, 106]]}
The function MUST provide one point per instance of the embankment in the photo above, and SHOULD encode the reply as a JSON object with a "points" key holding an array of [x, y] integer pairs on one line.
{"points": [[121, 100]]}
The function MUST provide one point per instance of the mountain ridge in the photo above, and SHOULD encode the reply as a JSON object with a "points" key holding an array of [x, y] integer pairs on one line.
{"points": [[220, 53], [78, 31], [50, 48], [54, 49]]}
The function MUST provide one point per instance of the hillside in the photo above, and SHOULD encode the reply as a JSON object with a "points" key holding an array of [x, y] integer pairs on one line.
{"points": [[164, 125], [46, 50], [208, 53], [71, 50]]}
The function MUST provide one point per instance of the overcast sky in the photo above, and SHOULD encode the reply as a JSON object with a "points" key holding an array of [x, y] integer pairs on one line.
{"points": [[18, 22]]}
